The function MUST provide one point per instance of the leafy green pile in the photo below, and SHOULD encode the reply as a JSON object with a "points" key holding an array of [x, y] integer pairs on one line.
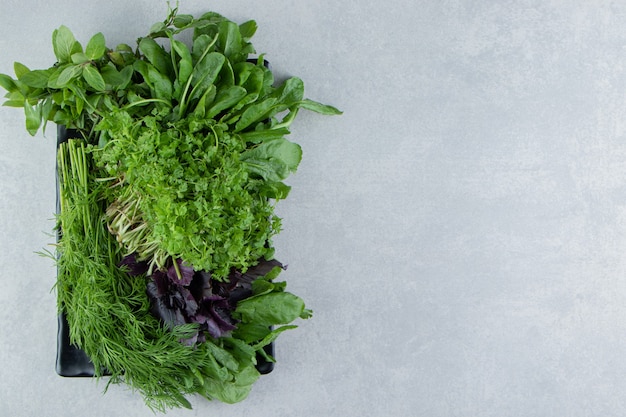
{"points": [[166, 269]]}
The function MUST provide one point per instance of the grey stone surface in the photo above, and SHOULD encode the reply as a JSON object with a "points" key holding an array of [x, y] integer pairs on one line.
{"points": [[460, 231]]}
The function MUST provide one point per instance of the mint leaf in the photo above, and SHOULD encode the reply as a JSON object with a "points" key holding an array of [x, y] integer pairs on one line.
{"points": [[64, 44], [7, 83], [36, 78], [68, 74], [79, 58], [96, 47], [93, 78], [20, 70], [33, 118]]}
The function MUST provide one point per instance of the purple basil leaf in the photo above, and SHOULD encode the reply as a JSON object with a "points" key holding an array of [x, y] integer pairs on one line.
{"points": [[191, 306], [199, 318], [170, 316], [237, 295], [161, 283], [259, 270], [222, 317], [214, 329], [134, 267], [214, 316], [186, 272], [200, 286]]}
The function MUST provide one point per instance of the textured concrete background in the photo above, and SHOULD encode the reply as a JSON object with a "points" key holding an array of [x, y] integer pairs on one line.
{"points": [[460, 231]]}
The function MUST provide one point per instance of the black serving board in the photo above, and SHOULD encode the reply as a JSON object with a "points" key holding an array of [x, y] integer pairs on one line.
{"points": [[74, 362]]}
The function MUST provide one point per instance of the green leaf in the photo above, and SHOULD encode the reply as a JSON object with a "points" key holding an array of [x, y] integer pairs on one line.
{"points": [[182, 20], [205, 101], [207, 70], [232, 391], [249, 76], [33, 118], [116, 57], [161, 84], [64, 44], [79, 58], [36, 78], [185, 64], [251, 332], [7, 83], [96, 47], [229, 38], [122, 47], [117, 79], [291, 92], [258, 136], [68, 74], [94, 78], [272, 336], [271, 309], [248, 29], [13, 103], [53, 80], [20, 70], [47, 108], [156, 55], [274, 190], [273, 160], [205, 73], [254, 113], [200, 47], [158, 28], [225, 99], [319, 107]]}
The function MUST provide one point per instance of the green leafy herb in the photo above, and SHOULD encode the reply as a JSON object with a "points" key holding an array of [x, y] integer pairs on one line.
{"points": [[182, 160]]}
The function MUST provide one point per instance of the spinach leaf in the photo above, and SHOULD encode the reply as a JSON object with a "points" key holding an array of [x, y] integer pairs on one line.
{"points": [[271, 309], [273, 160]]}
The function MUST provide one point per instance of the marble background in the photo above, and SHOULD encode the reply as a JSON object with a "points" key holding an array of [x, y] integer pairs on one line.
{"points": [[460, 232]]}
